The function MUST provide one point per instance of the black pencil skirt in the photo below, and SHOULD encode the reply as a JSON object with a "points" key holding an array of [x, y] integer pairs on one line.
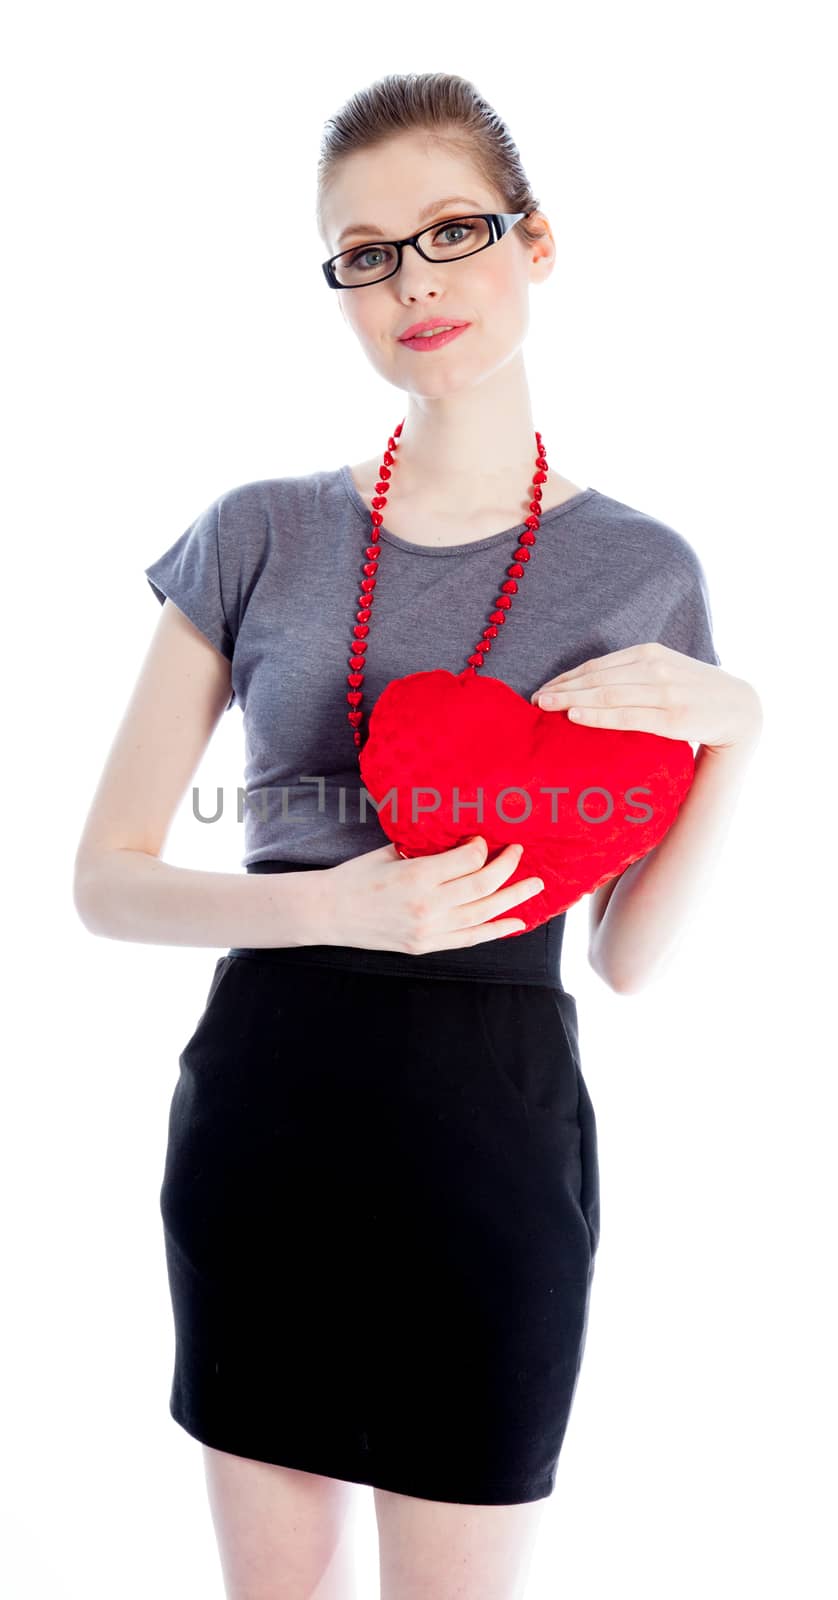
{"points": [[381, 1211]]}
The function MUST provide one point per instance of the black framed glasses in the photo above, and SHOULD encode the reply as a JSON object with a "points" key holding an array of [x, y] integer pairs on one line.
{"points": [[371, 263]]}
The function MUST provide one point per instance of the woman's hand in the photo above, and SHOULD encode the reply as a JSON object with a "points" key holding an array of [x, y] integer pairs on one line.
{"points": [[652, 689], [447, 901]]}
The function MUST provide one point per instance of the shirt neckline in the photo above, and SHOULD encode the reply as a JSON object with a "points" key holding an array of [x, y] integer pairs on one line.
{"points": [[363, 510]]}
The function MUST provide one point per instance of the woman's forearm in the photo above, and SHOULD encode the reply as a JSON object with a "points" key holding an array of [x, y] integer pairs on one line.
{"points": [[648, 909], [128, 894]]}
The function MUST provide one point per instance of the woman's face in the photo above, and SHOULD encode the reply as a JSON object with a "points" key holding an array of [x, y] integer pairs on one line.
{"points": [[390, 187]]}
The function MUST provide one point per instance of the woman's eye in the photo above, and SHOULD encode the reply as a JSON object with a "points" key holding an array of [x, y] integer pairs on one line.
{"points": [[361, 255], [457, 227]]}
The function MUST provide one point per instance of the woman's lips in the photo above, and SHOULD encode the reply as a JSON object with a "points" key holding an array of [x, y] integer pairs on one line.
{"points": [[434, 340]]}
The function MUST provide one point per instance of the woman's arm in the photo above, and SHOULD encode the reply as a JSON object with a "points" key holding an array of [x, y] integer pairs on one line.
{"points": [[121, 888], [647, 906], [635, 919], [128, 894]]}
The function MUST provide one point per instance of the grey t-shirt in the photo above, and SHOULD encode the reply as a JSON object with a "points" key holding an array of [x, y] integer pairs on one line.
{"points": [[270, 574]]}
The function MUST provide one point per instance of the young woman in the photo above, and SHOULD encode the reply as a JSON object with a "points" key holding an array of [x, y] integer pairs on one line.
{"points": [[380, 1200]]}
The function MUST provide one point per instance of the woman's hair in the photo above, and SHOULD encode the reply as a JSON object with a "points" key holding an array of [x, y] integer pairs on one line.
{"points": [[446, 108]]}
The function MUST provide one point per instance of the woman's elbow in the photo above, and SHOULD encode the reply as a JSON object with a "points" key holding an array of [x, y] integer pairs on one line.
{"points": [[620, 980]]}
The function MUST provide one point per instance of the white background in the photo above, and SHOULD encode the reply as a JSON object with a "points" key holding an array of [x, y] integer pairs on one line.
{"points": [[168, 335]]}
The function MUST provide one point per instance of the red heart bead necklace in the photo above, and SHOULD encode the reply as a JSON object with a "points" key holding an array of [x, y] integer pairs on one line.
{"points": [[502, 603]]}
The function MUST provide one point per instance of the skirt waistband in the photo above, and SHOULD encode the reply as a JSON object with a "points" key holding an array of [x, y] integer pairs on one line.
{"points": [[533, 957]]}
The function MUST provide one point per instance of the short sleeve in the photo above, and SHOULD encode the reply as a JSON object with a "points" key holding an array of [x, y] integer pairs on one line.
{"points": [[189, 574], [689, 623]]}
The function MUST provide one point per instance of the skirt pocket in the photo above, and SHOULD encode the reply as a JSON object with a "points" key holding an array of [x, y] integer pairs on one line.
{"points": [[531, 1042], [223, 965], [589, 1197], [528, 1048]]}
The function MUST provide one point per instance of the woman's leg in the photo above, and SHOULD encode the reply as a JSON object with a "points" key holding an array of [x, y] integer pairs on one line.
{"points": [[439, 1550], [281, 1534]]}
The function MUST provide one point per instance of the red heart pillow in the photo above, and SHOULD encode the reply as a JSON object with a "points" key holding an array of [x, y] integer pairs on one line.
{"points": [[437, 740]]}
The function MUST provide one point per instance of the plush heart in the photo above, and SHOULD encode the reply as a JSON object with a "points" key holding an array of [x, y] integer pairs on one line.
{"points": [[438, 742]]}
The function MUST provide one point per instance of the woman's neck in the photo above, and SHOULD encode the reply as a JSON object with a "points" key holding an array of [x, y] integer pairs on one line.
{"points": [[469, 515]]}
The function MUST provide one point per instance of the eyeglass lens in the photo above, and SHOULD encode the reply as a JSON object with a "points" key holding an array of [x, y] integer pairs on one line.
{"points": [[458, 236]]}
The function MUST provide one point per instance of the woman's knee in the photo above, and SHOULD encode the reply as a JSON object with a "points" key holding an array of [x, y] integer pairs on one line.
{"points": [[282, 1534]]}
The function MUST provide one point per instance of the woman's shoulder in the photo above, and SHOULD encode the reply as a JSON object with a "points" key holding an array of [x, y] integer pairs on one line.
{"points": [[641, 534], [265, 491]]}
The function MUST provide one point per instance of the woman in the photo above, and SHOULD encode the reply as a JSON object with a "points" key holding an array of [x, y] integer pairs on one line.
{"points": [[380, 1201]]}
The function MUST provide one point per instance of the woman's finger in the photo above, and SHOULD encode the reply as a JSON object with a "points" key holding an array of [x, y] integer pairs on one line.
{"points": [[635, 719], [616, 658], [663, 695]]}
